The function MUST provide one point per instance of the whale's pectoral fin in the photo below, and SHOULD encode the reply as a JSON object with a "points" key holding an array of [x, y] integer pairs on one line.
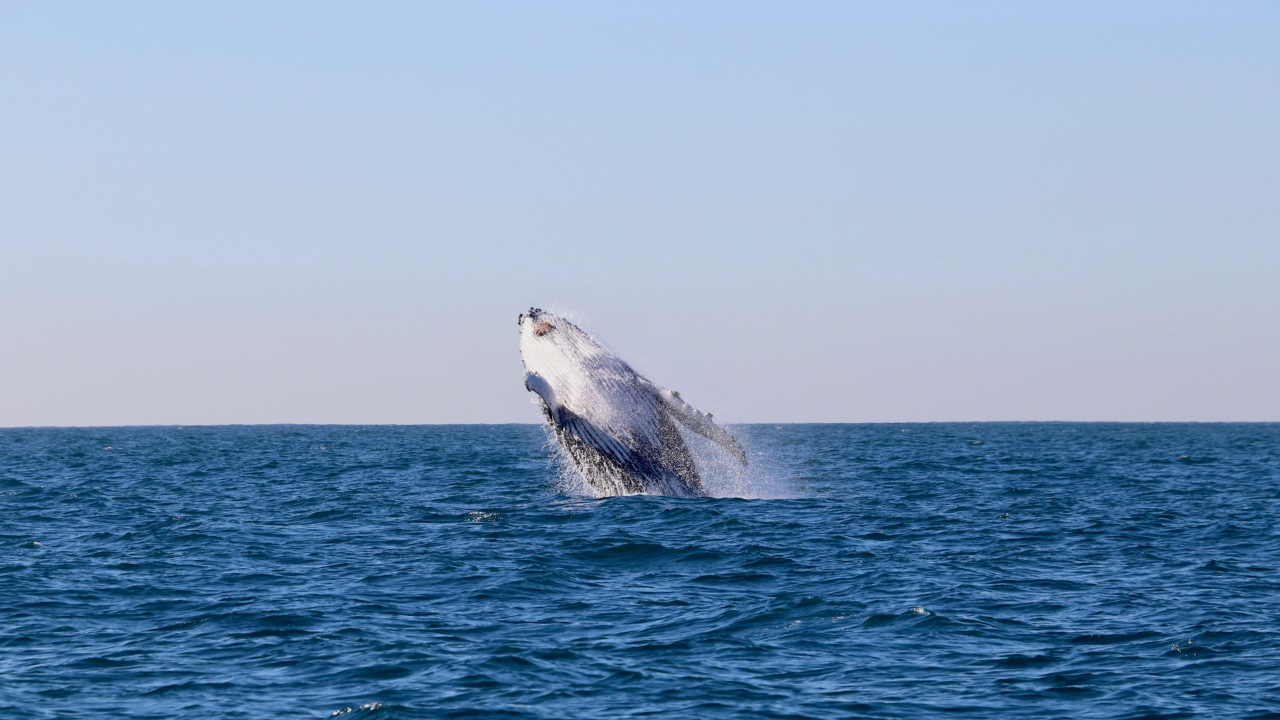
{"points": [[697, 421], [594, 437], [533, 382]]}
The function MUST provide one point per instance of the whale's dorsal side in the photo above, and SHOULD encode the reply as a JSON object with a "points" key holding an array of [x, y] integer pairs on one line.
{"points": [[696, 420]]}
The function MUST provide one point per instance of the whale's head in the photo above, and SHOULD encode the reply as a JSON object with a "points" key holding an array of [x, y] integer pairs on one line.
{"points": [[540, 322], [548, 337], [575, 371], [537, 322], [552, 346]]}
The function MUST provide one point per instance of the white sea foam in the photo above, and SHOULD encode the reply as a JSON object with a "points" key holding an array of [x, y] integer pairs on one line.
{"points": [[724, 477]]}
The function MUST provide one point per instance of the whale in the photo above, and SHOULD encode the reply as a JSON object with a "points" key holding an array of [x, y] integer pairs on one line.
{"points": [[618, 428]]}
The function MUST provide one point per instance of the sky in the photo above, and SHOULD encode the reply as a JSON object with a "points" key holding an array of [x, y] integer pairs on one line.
{"points": [[791, 212]]}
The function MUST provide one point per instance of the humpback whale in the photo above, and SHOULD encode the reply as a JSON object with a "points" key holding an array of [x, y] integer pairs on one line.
{"points": [[617, 427]]}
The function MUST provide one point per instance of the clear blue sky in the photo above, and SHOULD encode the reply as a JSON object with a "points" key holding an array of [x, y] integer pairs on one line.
{"points": [[315, 212]]}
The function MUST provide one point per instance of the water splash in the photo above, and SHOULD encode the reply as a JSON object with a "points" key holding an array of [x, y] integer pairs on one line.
{"points": [[722, 475]]}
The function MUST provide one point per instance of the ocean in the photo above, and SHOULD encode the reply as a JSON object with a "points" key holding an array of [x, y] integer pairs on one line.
{"points": [[992, 570]]}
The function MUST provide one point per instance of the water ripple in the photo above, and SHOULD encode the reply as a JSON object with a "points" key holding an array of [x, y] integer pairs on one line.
{"points": [[904, 571]]}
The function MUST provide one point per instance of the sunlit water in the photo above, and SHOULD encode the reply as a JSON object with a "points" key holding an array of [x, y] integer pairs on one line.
{"points": [[905, 571]]}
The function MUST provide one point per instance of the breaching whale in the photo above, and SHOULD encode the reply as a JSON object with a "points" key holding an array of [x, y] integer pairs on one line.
{"points": [[617, 427]]}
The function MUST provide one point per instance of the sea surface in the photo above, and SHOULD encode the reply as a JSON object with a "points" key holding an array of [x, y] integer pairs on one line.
{"points": [[868, 571]]}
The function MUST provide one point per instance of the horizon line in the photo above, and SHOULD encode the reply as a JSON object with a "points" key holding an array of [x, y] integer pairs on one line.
{"points": [[508, 424]]}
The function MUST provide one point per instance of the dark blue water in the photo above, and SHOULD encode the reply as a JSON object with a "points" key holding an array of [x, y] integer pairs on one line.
{"points": [[992, 570]]}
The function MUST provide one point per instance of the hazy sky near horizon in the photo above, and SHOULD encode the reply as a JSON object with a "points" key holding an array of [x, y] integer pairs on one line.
{"points": [[792, 212]]}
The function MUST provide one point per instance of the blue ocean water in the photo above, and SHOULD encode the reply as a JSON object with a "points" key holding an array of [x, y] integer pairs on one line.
{"points": [[909, 571]]}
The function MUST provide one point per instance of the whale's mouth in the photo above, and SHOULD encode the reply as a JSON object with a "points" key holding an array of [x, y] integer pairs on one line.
{"points": [[541, 328]]}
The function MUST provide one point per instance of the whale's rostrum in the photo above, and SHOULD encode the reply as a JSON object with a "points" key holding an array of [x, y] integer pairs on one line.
{"points": [[617, 427]]}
